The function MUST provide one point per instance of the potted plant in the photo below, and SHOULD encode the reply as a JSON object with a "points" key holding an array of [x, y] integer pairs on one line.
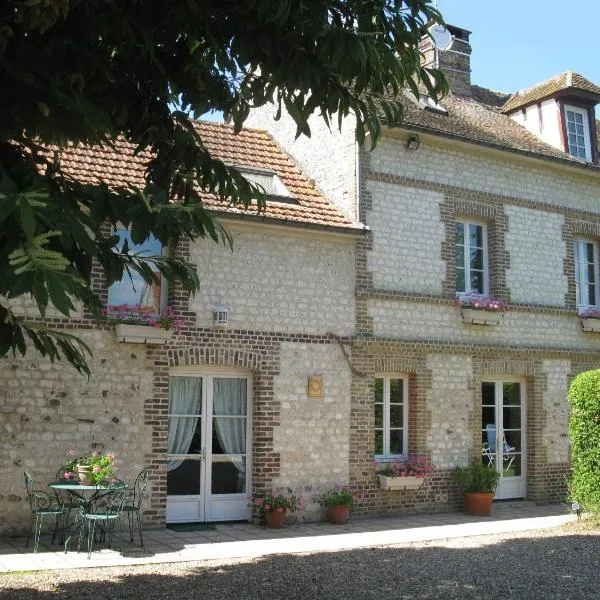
{"points": [[407, 472], [480, 310], [590, 320], [478, 483], [276, 506], [338, 501], [139, 325], [93, 468]]}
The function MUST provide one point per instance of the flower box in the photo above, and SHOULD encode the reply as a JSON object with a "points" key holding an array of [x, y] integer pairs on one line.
{"points": [[400, 483], [478, 316], [142, 334], [590, 324]]}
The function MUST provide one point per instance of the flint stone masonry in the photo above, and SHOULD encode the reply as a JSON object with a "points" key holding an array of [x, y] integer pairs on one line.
{"points": [[49, 408], [556, 406], [25, 306], [449, 402], [480, 173], [313, 435], [279, 283], [406, 250], [402, 319], [535, 245], [328, 156]]}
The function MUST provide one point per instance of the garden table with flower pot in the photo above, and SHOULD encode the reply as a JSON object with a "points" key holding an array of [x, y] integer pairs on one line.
{"points": [[85, 495]]}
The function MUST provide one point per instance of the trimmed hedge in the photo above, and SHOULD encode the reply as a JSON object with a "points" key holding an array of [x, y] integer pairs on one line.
{"points": [[584, 429]]}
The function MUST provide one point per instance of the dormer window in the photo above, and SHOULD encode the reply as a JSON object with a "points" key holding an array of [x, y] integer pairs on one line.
{"points": [[578, 132], [269, 180]]}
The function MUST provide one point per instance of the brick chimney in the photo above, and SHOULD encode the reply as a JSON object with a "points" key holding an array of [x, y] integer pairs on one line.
{"points": [[455, 63]]}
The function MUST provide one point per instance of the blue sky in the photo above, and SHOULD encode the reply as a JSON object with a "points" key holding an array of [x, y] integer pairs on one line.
{"points": [[517, 44]]}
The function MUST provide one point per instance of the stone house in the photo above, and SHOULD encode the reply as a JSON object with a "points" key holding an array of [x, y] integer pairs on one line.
{"points": [[490, 194], [272, 313]]}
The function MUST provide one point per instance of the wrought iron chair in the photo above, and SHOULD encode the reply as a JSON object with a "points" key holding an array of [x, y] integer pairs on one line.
{"points": [[506, 448], [68, 502], [42, 504], [133, 504], [105, 512]]}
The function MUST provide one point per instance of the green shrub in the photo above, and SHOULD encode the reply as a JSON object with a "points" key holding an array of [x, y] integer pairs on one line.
{"points": [[476, 478], [584, 429]]}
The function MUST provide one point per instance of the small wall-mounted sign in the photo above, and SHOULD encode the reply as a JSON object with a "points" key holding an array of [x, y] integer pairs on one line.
{"points": [[315, 386]]}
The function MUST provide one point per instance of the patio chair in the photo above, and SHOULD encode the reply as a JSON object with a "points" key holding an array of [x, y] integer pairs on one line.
{"points": [[487, 453], [103, 512], [133, 503], [69, 502], [506, 448], [42, 504]]}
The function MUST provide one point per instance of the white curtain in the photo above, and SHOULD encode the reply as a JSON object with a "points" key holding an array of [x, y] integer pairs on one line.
{"points": [[185, 397], [229, 398]]}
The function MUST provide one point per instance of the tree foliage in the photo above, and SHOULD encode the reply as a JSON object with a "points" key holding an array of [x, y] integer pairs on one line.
{"points": [[584, 430], [87, 71]]}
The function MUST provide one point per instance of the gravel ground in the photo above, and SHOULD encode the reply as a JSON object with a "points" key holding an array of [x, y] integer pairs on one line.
{"points": [[551, 563]]}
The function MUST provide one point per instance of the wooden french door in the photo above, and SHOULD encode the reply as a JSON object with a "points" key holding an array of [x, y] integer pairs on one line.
{"points": [[208, 463], [503, 435]]}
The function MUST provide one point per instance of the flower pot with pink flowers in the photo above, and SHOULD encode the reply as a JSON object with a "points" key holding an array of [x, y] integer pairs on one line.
{"points": [[406, 472], [95, 467], [338, 501], [276, 506], [478, 309]]}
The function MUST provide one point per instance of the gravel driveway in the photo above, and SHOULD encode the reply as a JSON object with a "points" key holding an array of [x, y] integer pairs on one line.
{"points": [[547, 564]]}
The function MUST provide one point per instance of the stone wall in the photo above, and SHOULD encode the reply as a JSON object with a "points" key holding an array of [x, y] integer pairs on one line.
{"points": [[285, 283]]}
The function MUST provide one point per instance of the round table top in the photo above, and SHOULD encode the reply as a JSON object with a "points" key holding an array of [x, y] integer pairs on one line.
{"points": [[75, 485]]}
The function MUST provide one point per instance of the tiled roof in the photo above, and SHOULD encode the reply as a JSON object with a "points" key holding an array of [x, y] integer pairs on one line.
{"points": [[565, 81], [119, 166], [474, 121]]}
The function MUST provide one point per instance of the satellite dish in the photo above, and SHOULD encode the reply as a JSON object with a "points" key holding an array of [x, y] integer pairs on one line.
{"points": [[442, 38]]}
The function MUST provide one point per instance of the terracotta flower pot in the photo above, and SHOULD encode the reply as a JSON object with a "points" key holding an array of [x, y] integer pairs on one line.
{"points": [[275, 518], [338, 515], [478, 504]]}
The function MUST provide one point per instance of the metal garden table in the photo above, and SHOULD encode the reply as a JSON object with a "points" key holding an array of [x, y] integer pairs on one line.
{"points": [[85, 495]]}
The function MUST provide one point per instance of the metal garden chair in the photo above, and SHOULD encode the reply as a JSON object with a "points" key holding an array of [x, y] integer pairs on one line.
{"points": [[104, 512], [506, 447], [42, 504], [133, 504]]}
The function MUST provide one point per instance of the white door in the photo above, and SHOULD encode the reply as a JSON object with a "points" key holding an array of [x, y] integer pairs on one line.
{"points": [[208, 468], [503, 435]]}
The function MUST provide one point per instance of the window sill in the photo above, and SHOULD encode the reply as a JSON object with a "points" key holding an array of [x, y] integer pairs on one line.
{"points": [[590, 324], [400, 483], [482, 317], [142, 334]]}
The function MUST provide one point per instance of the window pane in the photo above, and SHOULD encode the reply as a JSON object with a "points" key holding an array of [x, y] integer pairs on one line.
{"points": [[460, 234], [396, 415], [589, 252], [477, 281], [378, 441], [476, 236], [576, 250], [229, 435], [511, 416], [396, 441], [228, 476], [134, 291], [571, 127], [460, 257], [184, 478], [396, 390], [592, 295], [511, 394], [185, 435], [578, 118], [379, 415], [460, 280], [579, 129], [378, 390], [591, 273], [477, 259]]}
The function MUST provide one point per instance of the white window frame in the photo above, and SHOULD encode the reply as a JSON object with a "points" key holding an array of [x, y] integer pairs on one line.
{"points": [[386, 414], [467, 256], [586, 130], [581, 274], [164, 293]]}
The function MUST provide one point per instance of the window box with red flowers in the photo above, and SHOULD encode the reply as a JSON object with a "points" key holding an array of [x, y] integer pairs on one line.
{"points": [[477, 309], [590, 320]]}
